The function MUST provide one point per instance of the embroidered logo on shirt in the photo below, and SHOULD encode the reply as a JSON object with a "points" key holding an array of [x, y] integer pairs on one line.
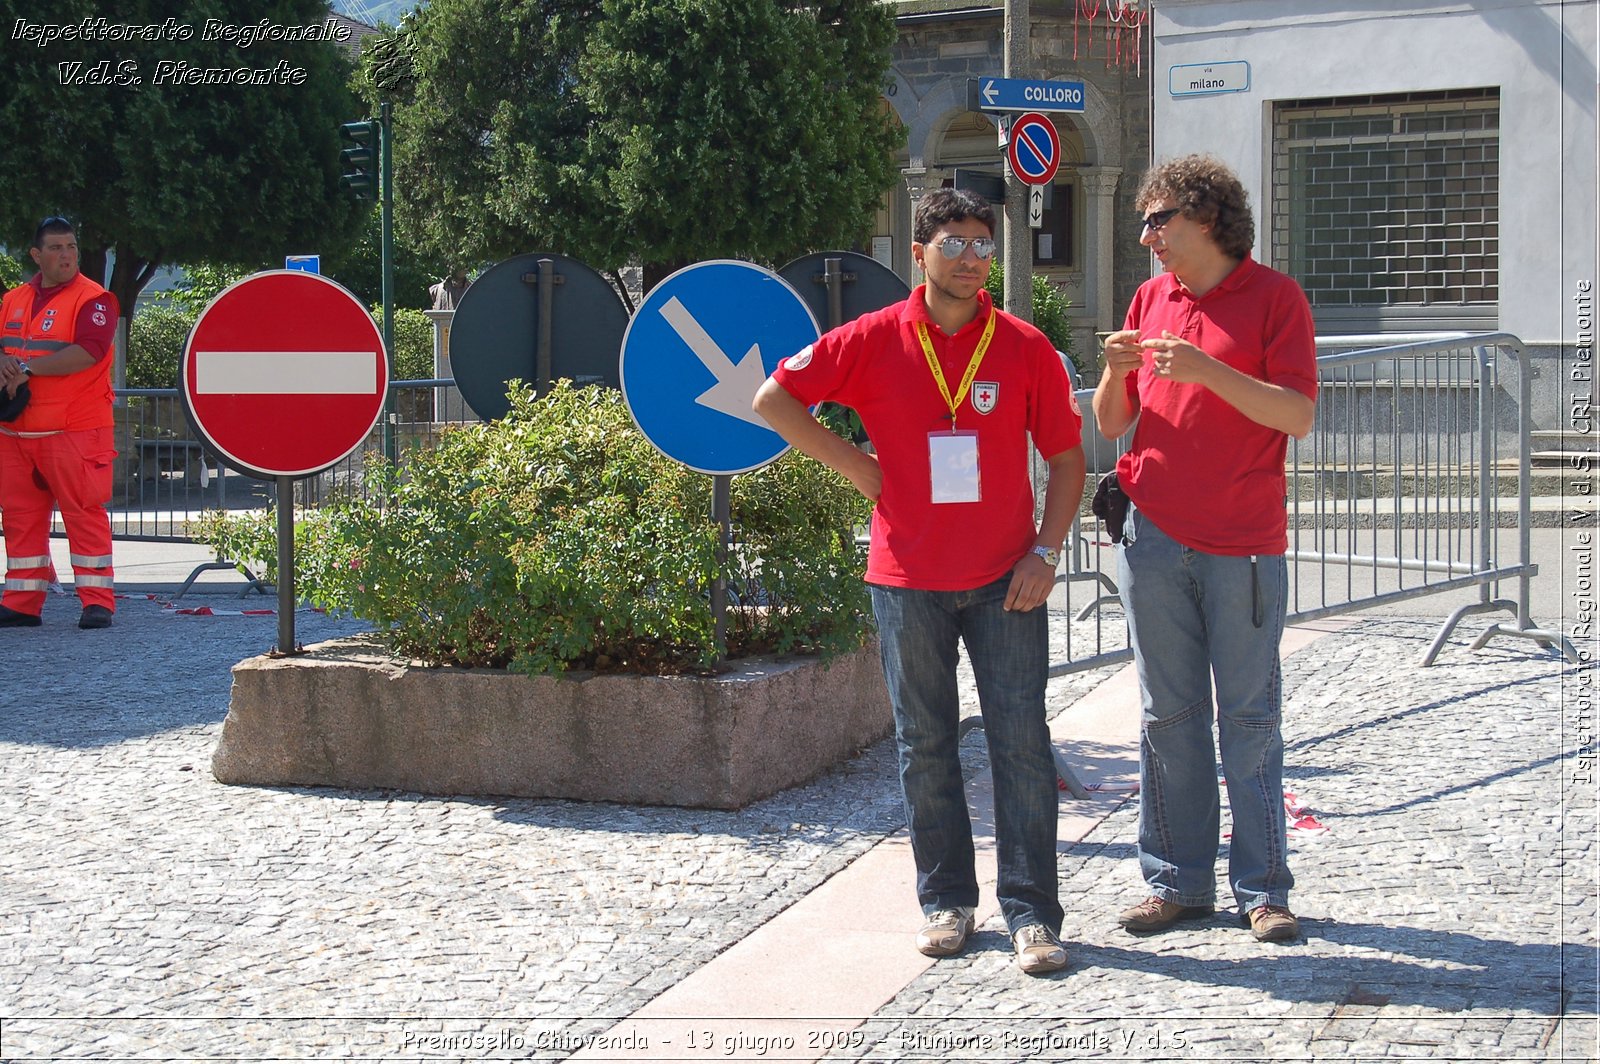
{"points": [[50, 313], [985, 394], [99, 306], [98, 318], [1072, 398], [45, 325], [799, 360]]}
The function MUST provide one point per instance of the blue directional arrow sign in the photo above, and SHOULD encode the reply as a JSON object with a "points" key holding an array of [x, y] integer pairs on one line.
{"points": [[1018, 94], [695, 353]]}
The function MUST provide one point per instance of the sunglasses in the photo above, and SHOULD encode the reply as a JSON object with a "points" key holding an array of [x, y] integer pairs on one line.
{"points": [[1158, 221], [53, 220], [954, 246]]}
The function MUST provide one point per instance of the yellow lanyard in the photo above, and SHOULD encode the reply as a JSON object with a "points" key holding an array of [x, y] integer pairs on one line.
{"points": [[982, 349]]}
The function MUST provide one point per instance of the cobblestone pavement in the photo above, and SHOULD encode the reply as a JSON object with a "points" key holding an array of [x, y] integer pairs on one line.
{"points": [[1448, 913], [147, 912]]}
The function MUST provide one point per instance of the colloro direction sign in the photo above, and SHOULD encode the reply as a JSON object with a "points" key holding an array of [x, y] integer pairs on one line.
{"points": [[1019, 94], [284, 374]]}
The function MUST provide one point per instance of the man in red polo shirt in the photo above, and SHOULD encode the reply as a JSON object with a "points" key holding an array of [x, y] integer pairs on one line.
{"points": [[1217, 360], [949, 389], [57, 333]]}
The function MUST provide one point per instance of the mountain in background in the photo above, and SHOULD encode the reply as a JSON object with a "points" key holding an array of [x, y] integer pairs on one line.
{"points": [[374, 12]]}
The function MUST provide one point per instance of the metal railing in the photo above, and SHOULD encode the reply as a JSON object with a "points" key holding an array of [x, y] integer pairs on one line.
{"points": [[1404, 488], [165, 478]]}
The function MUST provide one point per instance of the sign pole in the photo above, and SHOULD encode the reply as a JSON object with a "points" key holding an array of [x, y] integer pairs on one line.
{"points": [[286, 566], [834, 278], [1019, 236], [721, 513], [386, 255], [547, 302]]}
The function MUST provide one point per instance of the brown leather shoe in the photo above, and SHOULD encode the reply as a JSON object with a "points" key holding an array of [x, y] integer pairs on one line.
{"points": [[945, 933], [1271, 923], [1157, 914], [1039, 951]]}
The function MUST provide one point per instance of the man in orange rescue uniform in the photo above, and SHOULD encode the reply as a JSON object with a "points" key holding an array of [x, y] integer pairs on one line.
{"points": [[57, 333]]}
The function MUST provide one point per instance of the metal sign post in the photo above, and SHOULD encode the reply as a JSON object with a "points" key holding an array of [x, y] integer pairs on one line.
{"points": [[284, 375], [286, 641]]}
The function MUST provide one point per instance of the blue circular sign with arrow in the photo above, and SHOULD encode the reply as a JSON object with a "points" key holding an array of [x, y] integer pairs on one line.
{"points": [[696, 351]]}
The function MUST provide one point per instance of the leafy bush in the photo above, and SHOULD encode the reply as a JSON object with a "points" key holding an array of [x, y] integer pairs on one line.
{"points": [[10, 272], [155, 345], [559, 538], [413, 343], [1049, 313]]}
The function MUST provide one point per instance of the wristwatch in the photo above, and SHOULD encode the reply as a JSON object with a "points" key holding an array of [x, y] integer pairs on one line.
{"points": [[1051, 556], [27, 370]]}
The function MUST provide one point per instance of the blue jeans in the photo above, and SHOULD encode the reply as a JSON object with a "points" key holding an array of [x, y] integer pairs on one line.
{"points": [[1191, 617], [919, 632]]}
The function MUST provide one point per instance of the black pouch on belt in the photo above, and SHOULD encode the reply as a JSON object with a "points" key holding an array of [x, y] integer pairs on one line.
{"points": [[1111, 506]]}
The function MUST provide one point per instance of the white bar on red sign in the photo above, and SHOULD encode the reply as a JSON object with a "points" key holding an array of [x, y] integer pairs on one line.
{"points": [[285, 372]]}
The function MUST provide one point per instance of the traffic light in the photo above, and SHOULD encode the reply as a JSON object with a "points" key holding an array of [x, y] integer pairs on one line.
{"points": [[359, 158]]}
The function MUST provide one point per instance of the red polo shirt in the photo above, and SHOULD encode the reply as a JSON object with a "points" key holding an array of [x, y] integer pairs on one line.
{"points": [[876, 366]]}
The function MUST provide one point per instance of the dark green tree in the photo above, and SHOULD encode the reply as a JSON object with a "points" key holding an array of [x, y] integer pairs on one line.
{"points": [[658, 131], [157, 170]]}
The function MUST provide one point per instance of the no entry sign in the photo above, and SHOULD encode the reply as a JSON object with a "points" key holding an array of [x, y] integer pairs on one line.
{"points": [[1034, 149], [284, 374]]}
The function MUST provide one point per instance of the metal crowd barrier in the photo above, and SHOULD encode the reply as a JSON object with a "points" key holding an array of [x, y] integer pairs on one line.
{"points": [[165, 478], [1402, 489]]}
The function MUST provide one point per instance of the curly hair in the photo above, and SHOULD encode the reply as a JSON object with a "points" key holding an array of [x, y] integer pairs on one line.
{"points": [[949, 205], [1206, 190]]}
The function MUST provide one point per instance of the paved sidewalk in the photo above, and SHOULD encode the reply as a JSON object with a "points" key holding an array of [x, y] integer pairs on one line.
{"points": [[148, 912]]}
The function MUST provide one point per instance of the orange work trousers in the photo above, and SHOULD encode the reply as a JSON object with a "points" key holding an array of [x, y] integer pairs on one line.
{"points": [[72, 471]]}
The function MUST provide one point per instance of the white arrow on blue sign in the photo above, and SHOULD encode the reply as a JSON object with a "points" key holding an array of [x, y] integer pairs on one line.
{"points": [[1018, 94], [696, 351]]}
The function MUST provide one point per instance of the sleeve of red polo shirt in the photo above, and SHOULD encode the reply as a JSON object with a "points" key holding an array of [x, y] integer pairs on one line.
{"points": [[96, 328], [1055, 421], [821, 372], [1291, 340]]}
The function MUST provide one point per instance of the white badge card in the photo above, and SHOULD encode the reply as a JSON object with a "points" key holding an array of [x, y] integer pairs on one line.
{"points": [[953, 463]]}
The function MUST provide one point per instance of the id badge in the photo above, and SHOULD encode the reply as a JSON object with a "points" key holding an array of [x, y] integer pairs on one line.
{"points": [[953, 462]]}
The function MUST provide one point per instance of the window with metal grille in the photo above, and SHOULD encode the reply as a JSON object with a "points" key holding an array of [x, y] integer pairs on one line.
{"points": [[1386, 208]]}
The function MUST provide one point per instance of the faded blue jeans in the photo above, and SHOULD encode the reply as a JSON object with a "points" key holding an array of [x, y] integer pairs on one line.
{"points": [[919, 633], [1191, 617]]}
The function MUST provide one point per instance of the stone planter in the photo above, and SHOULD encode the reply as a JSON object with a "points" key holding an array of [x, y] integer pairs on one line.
{"points": [[347, 714]]}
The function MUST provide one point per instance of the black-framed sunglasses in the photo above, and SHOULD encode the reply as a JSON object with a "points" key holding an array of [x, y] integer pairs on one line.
{"points": [[952, 247], [53, 220], [1158, 221]]}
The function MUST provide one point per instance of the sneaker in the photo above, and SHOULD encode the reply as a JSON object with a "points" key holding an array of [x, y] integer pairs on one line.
{"points": [[945, 933], [1158, 914], [10, 618], [1039, 950], [95, 617], [1271, 923]]}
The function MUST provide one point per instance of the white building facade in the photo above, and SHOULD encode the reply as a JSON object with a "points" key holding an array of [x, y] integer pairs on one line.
{"points": [[1418, 165]]}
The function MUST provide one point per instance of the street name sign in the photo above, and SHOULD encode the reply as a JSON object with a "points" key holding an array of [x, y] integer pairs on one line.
{"points": [[1208, 79], [1019, 94]]}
